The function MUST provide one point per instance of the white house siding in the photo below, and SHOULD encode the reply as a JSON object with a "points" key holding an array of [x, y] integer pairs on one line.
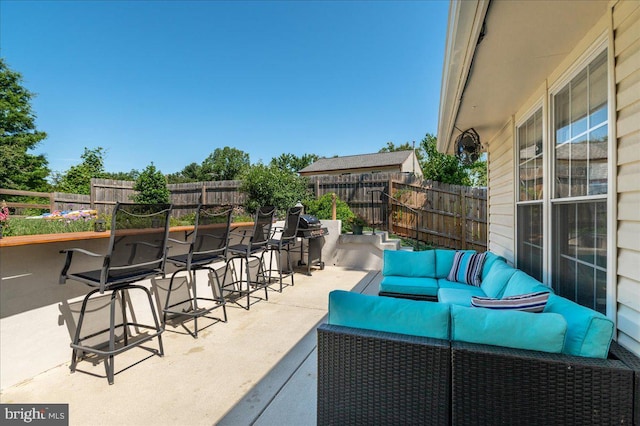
{"points": [[501, 193], [626, 25]]}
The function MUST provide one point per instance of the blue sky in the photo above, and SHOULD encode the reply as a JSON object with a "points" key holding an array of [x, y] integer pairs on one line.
{"points": [[168, 82]]}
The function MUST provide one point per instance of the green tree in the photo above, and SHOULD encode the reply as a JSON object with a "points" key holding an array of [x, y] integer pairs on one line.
{"points": [[151, 186], [478, 172], [77, 180], [391, 147], [18, 168], [191, 173], [132, 174], [442, 167], [272, 186], [224, 164], [293, 163]]}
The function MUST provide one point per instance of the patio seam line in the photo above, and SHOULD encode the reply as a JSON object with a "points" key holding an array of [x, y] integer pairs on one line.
{"points": [[286, 382]]}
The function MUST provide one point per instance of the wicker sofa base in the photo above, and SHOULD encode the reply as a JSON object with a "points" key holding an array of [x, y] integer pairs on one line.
{"points": [[369, 377], [361, 380]]}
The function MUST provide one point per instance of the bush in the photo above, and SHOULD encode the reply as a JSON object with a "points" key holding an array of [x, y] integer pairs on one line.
{"points": [[272, 186], [321, 208], [151, 186]]}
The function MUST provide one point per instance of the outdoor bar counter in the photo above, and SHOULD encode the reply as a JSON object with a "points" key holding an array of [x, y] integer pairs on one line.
{"points": [[35, 310]]}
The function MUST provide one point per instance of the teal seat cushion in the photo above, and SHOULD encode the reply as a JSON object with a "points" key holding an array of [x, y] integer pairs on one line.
{"points": [[409, 285], [459, 296], [513, 329], [445, 283], [522, 283], [444, 261], [416, 318], [489, 261], [589, 332], [409, 263], [494, 283]]}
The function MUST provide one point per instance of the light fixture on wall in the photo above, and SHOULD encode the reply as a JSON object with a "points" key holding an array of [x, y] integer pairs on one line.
{"points": [[468, 147]]}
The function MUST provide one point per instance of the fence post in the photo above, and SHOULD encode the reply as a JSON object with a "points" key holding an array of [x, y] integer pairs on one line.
{"points": [[203, 194], [333, 206], [92, 195]]}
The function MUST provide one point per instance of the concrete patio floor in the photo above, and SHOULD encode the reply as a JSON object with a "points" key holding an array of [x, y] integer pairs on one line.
{"points": [[258, 368]]}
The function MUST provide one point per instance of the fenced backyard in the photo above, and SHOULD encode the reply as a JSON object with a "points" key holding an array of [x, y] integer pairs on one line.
{"points": [[434, 213]]}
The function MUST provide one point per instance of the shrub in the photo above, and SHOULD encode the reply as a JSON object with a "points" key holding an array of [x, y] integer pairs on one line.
{"points": [[272, 186], [321, 208], [151, 186]]}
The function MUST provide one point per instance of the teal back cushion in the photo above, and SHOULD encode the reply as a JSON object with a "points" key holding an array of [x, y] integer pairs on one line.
{"points": [[426, 319], [444, 261], [512, 329], [409, 263], [522, 283], [589, 332], [494, 283], [489, 261]]}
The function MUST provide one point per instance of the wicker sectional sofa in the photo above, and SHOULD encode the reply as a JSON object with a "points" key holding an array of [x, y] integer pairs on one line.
{"points": [[384, 360]]}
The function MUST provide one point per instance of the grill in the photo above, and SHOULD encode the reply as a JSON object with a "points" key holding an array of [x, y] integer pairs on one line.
{"points": [[311, 230]]}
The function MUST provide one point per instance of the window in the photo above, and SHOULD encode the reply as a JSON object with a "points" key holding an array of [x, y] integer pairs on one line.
{"points": [[530, 182], [579, 201]]}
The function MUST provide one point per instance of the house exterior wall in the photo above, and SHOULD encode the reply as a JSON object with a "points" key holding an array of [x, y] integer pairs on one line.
{"points": [[626, 44], [621, 26], [501, 193]]}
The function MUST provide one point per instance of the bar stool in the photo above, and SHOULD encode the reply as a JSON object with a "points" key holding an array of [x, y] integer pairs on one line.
{"points": [[286, 240]]}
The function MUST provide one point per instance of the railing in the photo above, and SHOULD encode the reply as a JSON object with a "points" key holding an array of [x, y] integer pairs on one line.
{"points": [[398, 213]]}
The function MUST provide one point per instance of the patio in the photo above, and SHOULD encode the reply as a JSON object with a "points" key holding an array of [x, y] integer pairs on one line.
{"points": [[259, 368]]}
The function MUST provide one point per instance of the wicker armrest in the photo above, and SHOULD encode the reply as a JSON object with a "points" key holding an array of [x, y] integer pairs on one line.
{"points": [[497, 385], [370, 377]]}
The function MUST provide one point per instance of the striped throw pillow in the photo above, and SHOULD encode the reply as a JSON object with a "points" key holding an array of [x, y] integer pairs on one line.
{"points": [[531, 302], [467, 268]]}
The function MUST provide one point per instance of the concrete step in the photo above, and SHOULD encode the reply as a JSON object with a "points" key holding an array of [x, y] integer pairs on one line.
{"points": [[363, 251]]}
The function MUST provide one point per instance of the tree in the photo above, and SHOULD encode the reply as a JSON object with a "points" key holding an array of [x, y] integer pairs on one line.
{"points": [[224, 164], [272, 186], [442, 167], [151, 186], [322, 208], [293, 163], [391, 147], [18, 135], [191, 173], [77, 180]]}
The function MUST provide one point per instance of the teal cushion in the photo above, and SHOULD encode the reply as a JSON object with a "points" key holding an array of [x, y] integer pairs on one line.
{"points": [[589, 332], [409, 263], [427, 319], [497, 278], [521, 283], [444, 283], [444, 261], [489, 261], [512, 329], [459, 296], [409, 285]]}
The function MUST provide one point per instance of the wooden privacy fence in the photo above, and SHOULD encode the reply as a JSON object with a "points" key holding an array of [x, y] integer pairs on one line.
{"points": [[435, 213], [438, 214], [54, 200], [185, 197]]}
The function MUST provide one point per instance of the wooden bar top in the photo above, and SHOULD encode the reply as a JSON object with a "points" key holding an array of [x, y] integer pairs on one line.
{"points": [[23, 240]]}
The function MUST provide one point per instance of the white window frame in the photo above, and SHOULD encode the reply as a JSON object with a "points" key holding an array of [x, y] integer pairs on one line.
{"points": [[539, 105], [603, 42]]}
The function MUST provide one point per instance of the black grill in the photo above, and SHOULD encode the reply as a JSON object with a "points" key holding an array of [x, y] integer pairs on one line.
{"points": [[308, 221]]}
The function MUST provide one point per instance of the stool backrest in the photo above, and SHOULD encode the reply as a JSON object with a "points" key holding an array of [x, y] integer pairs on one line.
{"points": [[211, 231], [292, 222], [262, 226]]}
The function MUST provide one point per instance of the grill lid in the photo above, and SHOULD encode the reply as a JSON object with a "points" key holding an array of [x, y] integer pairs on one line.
{"points": [[308, 221]]}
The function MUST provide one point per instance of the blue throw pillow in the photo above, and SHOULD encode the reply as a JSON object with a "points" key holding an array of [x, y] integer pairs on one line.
{"points": [[467, 268]]}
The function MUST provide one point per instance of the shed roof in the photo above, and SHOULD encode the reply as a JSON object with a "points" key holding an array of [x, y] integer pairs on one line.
{"points": [[361, 161]]}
